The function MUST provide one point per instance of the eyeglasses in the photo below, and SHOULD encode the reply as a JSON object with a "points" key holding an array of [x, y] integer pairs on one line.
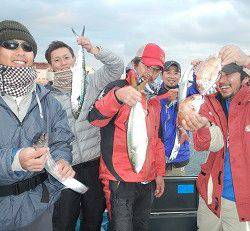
{"points": [[154, 69], [13, 45]]}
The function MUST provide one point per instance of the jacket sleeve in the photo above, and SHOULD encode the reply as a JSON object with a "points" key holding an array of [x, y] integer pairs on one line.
{"points": [[202, 139], [111, 71], [104, 109], [6, 159], [208, 138], [192, 89], [60, 135], [159, 148], [160, 158]]}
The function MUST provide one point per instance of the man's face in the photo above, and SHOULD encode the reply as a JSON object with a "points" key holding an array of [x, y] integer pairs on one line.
{"points": [[147, 73], [61, 59], [171, 77], [16, 57], [229, 84]]}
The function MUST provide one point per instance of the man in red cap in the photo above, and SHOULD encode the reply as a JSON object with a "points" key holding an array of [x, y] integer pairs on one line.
{"points": [[129, 194]]}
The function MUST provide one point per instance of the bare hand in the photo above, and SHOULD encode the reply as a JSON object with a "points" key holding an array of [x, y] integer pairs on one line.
{"points": [[198, 66], [233, 54], [196, 62], [64, 169], [194, 122], [33, 159], [160, 186], [173, 93], [86, 44], [128, 95]]}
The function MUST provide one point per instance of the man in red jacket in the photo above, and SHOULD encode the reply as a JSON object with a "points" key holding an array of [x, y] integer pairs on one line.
{"points": [[129, 195], [223, 128]]}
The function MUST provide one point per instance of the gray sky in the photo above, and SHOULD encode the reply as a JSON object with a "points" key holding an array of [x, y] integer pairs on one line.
{"points": [[184, 29]]}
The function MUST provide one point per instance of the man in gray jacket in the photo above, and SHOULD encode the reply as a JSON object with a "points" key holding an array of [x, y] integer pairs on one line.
{"points": [[86, 147], [27, 110]]}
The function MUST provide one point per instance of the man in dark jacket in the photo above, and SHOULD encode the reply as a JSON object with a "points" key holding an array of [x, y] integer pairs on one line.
{"points": [[27, 110], [169, 109]]}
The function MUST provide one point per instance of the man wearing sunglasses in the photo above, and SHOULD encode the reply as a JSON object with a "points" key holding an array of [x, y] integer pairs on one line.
{"points": [[129, 195], [86, 147], [27, 110]]}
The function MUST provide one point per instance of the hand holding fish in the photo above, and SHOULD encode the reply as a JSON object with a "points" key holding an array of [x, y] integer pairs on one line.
{"points": [[32, 159], [160, 186], [173, 93], [128, 95], [233, 54], [197, 66], [194, 121], [87, 45], [64, 169]]}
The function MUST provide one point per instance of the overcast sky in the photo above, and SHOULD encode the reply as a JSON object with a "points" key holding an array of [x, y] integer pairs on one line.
{"points": [[185, 29]]}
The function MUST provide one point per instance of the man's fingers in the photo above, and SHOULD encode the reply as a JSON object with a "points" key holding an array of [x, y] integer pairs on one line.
{"points": [[185, 125], [68, 173], [189, 123], [40, 152], [159, 191], [36, 168], [37, 162]]}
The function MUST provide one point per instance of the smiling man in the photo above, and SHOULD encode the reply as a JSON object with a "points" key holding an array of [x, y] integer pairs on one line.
{"points": [[223, 128], [169, 109], [129, 195], [27, 110], [86, 147]]}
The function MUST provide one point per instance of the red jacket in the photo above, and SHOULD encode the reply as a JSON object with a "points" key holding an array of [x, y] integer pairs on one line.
{"points": [[112, 117], [237, 130]]}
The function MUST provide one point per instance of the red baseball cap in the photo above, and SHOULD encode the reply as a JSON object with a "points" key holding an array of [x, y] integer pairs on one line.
{"points": [[151, 55]]}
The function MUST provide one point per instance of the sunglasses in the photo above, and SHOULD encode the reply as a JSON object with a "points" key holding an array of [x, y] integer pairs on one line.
{"points": [[13, 45]]}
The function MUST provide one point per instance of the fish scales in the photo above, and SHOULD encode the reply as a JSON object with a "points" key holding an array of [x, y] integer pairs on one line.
{"points": [[137, 139]]}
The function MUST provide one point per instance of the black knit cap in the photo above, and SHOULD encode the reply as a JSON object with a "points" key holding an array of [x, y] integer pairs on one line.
{"points": [[14, 30]]}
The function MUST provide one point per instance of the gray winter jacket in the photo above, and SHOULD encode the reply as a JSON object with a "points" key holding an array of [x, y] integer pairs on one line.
{"points": [[19, 210], [86, 145]]}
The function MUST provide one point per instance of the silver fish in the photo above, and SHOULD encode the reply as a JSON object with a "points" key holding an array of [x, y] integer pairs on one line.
{"points": [[182, 94], [79, 80], [137, 138], [50, 166]]}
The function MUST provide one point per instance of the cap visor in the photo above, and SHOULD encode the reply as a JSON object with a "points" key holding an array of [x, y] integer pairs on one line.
{"points": [[152, 62]]}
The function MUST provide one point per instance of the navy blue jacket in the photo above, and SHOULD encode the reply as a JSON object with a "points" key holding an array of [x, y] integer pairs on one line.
{"points": [[168, 126]]}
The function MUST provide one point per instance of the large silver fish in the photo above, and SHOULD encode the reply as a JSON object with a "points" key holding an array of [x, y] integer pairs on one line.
{"points": [[137, 137], [79, 80], [50, 166]]}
